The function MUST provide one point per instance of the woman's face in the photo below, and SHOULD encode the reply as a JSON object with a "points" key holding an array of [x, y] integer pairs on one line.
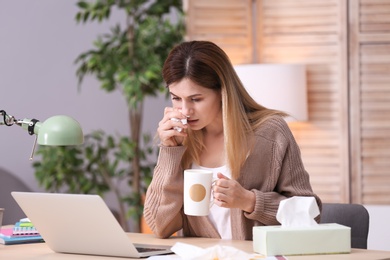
{"points": [[202, 105]]}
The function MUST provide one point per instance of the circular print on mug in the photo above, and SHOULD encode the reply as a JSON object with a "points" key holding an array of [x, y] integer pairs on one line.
{"points": [[197, 192]]}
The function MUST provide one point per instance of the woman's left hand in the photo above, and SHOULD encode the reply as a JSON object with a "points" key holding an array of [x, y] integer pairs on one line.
{"points": [[229, 193]]}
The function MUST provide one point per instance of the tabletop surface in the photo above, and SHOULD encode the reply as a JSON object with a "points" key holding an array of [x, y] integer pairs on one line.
{"points": [[38, 251]]}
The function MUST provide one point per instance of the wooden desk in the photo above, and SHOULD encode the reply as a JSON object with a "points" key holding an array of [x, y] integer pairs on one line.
{"points": [[42, 251]]}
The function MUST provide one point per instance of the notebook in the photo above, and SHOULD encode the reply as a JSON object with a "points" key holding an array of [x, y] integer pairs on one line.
{"points": [[80, 224], [8, 237]]}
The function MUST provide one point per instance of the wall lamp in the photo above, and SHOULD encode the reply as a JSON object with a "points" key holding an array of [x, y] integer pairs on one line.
{"points": [[55, 131], [277, 86]]}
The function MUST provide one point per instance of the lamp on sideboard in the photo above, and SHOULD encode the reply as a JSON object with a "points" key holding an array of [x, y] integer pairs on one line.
{"points": [[277, 86], [58, 130]]}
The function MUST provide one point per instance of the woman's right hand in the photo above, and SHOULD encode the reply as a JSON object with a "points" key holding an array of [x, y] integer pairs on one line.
{"points": [[169, 136]]}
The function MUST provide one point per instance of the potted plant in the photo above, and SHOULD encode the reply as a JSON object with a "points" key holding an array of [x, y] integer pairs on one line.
{"points": [[129, 60]]}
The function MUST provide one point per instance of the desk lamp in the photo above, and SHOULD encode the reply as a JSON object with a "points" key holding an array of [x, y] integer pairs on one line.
{"points": [[56, 131]]}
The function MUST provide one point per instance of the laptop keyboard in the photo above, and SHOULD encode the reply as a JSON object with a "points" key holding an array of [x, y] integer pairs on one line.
{"points": [[147, 249]]}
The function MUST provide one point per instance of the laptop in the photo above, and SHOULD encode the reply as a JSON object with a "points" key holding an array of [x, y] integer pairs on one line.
{"points": [[81, 224]]}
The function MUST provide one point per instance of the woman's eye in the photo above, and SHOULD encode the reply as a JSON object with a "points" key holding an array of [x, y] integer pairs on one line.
{"points": [[175, 98], [195, 99]]}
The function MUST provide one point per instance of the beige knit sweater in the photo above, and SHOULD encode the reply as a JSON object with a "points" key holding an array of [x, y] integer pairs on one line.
{"points": [[274, 171]]}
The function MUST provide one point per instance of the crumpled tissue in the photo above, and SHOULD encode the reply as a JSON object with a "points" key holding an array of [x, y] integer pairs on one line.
{"points": [[190, 252], [298, 212]]}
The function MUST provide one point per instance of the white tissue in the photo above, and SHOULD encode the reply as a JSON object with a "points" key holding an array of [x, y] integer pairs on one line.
{"points": [[183, 121], [298, 212], [190, 252]]}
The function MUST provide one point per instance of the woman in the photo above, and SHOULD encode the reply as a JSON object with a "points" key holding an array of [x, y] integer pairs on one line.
{"points": [[249, 148]]}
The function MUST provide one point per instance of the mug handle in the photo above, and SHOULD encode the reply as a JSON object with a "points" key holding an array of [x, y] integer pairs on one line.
{"points": [[212, 194]]}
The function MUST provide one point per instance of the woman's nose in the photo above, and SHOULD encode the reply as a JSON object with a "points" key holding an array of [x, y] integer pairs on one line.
{"points": [[186, 109]]}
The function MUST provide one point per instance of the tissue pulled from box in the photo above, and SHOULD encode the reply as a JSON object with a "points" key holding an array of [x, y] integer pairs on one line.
{"points": [[298, 212]]}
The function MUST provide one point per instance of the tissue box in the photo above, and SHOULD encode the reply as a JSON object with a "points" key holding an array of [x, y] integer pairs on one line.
{"points": [[319, 239]]}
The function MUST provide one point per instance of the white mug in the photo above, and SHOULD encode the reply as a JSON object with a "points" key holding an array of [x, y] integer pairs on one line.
{"points": [[197, 192]]}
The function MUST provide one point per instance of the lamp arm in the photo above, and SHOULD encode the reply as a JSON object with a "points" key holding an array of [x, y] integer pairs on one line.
{"points": [[6, 119], [31, 125], [27, 124]]}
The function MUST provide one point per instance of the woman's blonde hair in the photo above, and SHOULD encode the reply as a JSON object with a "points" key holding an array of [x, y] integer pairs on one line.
{"points": [[207, 65]]}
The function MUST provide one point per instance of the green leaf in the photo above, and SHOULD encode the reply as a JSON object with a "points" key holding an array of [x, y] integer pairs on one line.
{"points": [[86, 16], [82, 4]]}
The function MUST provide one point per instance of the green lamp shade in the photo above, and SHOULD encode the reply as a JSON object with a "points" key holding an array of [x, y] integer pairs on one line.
{"points": [[60, 130]]}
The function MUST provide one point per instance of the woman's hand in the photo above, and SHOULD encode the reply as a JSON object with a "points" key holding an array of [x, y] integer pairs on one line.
{"points": [[169, 136], [230, 194]]}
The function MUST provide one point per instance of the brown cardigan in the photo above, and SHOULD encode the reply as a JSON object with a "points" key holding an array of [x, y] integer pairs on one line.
{"points": [[274, 171]]}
